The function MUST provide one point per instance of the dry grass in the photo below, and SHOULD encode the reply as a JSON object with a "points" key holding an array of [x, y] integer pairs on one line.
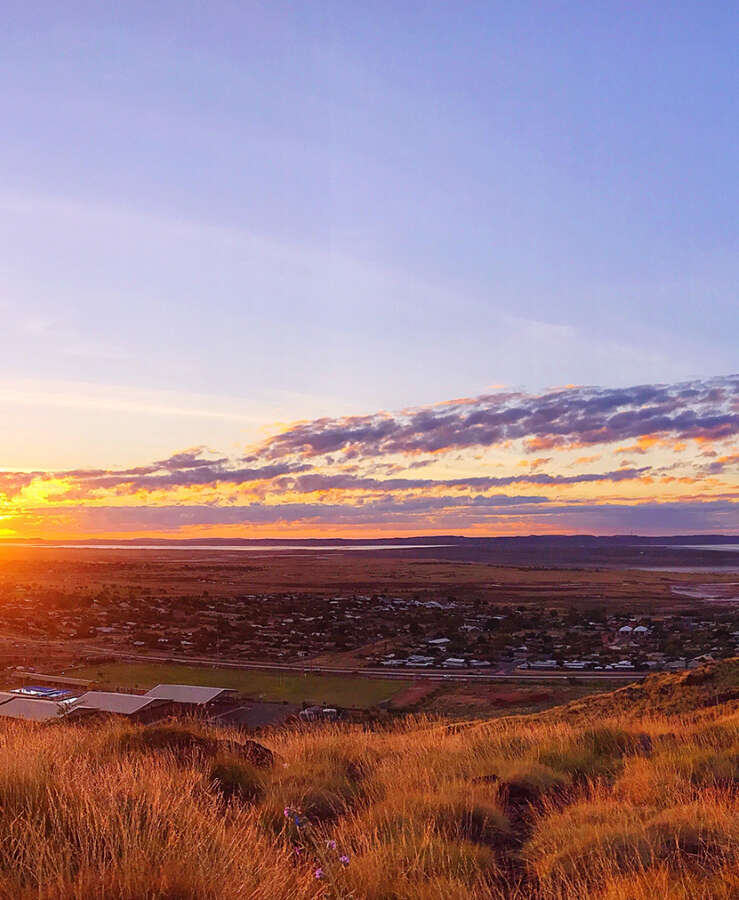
{"points": [[519, 808]]}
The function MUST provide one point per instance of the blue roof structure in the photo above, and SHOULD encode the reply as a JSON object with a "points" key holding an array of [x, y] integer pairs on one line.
{"points": [[48, 693]]}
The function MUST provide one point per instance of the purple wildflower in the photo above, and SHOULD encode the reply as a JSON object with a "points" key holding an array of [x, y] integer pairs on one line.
{"points": [[331, 845], [319, 873], [291, 813], [344, 860]]}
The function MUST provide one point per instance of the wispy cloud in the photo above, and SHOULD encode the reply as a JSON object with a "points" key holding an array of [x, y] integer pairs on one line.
{"points": [[94, 397], [361, 472], [577, 417]]}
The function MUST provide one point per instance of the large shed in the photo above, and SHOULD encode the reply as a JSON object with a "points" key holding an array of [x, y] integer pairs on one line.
{"points": [[191, 694], [138, 707], [35, 710]]}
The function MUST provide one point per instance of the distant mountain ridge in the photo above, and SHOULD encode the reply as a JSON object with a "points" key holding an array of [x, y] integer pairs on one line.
{"points": [[615, 540]]}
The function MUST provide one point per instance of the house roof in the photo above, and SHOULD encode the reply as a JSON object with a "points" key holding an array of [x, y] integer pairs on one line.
{"points": [[187, 693], [24, 708], [109, 701], [44, 692]]}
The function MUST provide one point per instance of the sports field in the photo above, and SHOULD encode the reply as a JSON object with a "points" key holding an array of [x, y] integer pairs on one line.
{"points": [[345, 690]]}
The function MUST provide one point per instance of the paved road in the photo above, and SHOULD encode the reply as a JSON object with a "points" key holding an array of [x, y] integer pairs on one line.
{"points": [[402, 673]]}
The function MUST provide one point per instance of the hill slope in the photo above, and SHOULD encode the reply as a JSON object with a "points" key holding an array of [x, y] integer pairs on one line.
{"points": [[668, 693], [616, 798]]}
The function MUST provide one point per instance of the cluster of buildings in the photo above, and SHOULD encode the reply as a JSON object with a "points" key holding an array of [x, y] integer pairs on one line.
{"points": [[286, 626], [67, 698], [527, 639], [414, 630], [49, 702]]}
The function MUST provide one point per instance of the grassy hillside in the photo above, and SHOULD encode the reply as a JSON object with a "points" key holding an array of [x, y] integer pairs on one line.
{"points": [[615, 805], [712, 684]]}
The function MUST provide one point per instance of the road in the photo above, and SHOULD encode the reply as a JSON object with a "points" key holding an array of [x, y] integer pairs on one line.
{"points": [[400, 673], [403, 673]]}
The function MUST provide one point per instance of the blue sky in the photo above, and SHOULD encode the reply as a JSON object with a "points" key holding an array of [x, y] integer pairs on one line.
{"points": [[218, 217]]}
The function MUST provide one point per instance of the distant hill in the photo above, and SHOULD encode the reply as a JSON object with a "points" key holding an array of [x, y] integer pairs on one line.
{"points": [[455, 539], [542, 551]]}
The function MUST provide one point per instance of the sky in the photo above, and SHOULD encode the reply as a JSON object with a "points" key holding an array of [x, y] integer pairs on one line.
{"points": [[238, 240]]}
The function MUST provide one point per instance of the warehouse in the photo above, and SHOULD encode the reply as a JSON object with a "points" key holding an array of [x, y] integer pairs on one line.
{"points": [[35, 709], [137, 707]]}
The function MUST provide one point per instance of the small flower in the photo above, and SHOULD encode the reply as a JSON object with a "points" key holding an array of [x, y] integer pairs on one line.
{"points": [[319, 873], [291, 813], [331, 845], [298, 849], [344, 860]]}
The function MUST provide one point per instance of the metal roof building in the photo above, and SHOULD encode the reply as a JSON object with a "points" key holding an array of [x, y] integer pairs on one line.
{"points": [[43, 692], [112, 702], [32, 709], [193, 694]]}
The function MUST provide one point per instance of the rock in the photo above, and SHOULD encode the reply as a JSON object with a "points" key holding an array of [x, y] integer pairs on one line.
{"points": [[184, 744], [257, 754], [486, 779]]}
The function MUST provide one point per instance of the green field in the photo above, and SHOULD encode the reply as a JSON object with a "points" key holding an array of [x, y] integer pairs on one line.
{"points": [[345, 690]]}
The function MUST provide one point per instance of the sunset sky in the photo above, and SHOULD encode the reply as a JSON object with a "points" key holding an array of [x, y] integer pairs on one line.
{"points": [[355, 269]]}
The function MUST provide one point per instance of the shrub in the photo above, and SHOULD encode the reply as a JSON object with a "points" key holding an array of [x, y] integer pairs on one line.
{"points": [[323, 782], [648, 783], [416, 866], [722, 735], [178, 740], [183, 743], [706, 830], [587, 843], [529, 783], [454, 813], [595, 752], [458, 813], [707, 767], [237, 780], [665, 883]]}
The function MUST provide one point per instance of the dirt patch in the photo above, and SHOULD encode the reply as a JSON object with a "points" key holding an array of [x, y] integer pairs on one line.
{"points": [[414, 695]]}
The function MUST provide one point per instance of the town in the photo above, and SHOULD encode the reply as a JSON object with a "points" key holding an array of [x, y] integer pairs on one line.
{"points": [[415, 631]]}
